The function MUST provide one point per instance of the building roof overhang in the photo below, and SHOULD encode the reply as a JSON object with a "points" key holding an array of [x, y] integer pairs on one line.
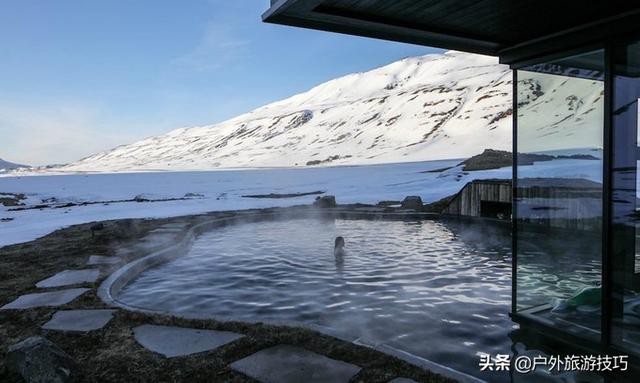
{"points": [[514, 30]]}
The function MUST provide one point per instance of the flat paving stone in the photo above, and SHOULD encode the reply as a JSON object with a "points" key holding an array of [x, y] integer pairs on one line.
{"points": [[402, 380], [285, 363], [50, 299], [70, 277], [179, 341], [102, 260], [79, 320]]}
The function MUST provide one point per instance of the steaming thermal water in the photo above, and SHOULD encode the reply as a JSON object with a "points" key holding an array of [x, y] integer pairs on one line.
{"points": [[431, 289], [412, 285]]}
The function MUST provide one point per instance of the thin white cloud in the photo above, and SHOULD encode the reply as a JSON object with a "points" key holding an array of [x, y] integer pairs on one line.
{"points": [[220, 45], [54, 134]]}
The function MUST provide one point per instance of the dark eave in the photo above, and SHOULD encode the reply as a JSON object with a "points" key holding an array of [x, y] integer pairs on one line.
{"points": [[514, 30]]}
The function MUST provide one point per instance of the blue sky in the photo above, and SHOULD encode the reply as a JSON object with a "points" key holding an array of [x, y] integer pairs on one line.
{"points": [[78, 77]]}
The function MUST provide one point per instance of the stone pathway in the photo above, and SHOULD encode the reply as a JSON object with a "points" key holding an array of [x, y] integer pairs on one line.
{"points": [[52, 298], [70, 277], [284, 364], [179, 341], [79, 320]]}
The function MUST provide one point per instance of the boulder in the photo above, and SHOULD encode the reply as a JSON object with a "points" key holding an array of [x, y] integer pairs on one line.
{"points": [[38, 360], [412, 202], [96, 227], [325, 201], [140, 198]]}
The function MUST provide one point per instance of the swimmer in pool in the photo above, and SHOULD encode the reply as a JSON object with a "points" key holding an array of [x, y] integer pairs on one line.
{"points": [[338, 249]]}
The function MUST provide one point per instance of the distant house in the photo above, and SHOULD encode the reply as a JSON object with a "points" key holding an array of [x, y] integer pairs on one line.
{"points": [[482, 198], [569, 203]]}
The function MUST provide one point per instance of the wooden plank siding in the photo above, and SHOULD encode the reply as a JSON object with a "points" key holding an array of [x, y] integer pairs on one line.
{"points": [[572, 204], [468, 201]]}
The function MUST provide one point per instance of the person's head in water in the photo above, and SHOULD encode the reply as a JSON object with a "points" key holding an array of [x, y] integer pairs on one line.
{"points": [[338, 249]]}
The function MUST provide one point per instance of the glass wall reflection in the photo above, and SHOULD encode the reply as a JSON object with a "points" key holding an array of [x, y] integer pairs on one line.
{"points": [[560, 108], [625, 193]]}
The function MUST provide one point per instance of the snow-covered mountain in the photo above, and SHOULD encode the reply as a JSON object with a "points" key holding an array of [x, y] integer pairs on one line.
{"points": [[6, 165], [450, 105]]}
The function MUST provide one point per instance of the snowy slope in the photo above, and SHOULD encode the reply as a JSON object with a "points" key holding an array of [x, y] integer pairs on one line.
{"points": [[445, 106], [430, 107], [6, 165]]}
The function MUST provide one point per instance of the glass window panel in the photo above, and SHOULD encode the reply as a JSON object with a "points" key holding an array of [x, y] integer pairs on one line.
{"points": [[625, 193], [560, 114]]}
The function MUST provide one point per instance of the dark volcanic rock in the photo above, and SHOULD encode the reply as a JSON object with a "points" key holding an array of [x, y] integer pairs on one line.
{"points": [[285, 195], [95, 228], [326, 201], [387, 203], [412, 202], [140, 198], [530, 158], [489, 159], [439, 205], [495, 159], [12, 199], [439, 170], [38, 360], [578, 157], [327, 160]]}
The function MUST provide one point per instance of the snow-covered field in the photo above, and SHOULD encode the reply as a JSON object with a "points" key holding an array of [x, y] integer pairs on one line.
{"points": [[223, 190]]}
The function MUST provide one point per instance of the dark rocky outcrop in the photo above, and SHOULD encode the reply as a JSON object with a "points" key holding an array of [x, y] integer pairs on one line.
{"points": [[412, 202], [439, 205], [12, 199], [489, 159], [283, 195], [387, 203], [95, 228], [495, 159], [438, 170], [140, 198], [327, 160], [38, 360], [326, 201], [578, 157]]}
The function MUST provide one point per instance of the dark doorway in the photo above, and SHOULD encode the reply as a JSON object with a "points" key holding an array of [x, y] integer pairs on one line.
{"points": [[494, 209]]}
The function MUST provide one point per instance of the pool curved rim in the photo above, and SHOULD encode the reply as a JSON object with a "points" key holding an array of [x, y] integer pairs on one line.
{"points": [[113, 284]]}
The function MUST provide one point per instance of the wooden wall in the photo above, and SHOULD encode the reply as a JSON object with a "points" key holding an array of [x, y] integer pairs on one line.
{"points": [[467, 201], [552, 203]]}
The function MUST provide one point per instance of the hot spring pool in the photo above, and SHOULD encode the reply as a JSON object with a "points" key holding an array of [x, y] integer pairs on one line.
{"points": [[417, 286]]}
